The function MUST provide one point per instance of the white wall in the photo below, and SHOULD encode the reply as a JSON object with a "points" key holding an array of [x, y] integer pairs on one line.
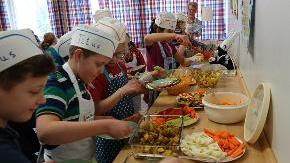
{"points": [[271, 63]]}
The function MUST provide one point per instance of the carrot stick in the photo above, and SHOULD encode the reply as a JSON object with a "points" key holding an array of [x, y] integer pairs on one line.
{"points": [[238, 151]]}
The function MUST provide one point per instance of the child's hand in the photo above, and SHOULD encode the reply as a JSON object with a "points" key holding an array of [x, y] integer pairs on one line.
{"points": [[134, 118], [119, 129], [159, 73], [133, 87]]}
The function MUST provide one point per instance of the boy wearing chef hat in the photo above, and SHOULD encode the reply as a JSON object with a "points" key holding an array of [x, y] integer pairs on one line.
{"points": [[181, 22], [23, 74], [67, 119], [112, 91], [102, 13], [63, 45]]}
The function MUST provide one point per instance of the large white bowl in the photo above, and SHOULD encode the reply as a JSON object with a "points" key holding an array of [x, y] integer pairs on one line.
{"points": [[225, 113]]}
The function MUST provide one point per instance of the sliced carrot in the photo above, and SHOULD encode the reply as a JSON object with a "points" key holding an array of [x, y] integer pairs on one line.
{"points": [[206, 130], [238, 151]]}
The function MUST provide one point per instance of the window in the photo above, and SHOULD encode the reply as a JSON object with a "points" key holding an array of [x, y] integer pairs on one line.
{"points": [[31, 14]]}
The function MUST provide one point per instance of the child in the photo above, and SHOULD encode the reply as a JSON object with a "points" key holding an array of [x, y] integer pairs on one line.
{"points": [[181, 22], [112, 92], [161, 52], [48, 43], [23, 74], [67, 118]]}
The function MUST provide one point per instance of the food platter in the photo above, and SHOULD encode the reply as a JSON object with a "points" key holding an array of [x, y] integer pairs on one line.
{"points": [[200, 146], [188, 117], [152, 141], [162, 83], [193, 99]]}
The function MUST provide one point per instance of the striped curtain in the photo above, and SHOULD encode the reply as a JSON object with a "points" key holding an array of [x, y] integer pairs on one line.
{"points": [[137, 14], [216, 28], [65, 14], [4, 18]]}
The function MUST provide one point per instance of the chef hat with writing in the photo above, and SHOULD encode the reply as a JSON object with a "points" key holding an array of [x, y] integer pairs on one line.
{"points": [[113, 26], [17, 46], [102, 13], [166, 20], [181, 17], [95, 39], [63, 44]]}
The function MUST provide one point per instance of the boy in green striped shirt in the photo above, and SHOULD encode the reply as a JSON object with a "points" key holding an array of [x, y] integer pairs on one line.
{"points": [[67, 119]]}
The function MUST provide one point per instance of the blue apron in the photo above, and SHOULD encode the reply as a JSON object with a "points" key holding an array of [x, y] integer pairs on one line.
{"points": [[168, 62], [107, 150]]}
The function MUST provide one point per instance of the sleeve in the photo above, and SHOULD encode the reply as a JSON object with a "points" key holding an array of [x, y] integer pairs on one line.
{"points": [[123, 67], [10, 154], [198, 33], [139, 57], [99, 91], [56, 99]]}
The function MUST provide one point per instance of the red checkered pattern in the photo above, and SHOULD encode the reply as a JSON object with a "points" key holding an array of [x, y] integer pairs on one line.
{"points": [[65, 14], [4, 19], [137, 14]]}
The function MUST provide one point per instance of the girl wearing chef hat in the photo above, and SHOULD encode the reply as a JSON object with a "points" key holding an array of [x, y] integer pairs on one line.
{"points": [[23, 74], [112, 91], [181, 22], [67, 119], [161, 52]]}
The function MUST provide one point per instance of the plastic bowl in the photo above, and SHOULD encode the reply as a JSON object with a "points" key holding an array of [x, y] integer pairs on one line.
{"points": [[225, 113]]}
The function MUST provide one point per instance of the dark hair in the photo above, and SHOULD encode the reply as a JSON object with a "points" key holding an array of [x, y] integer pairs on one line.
{"points": [[36, 66], [48, 40], [87, 53], [154, 27]]}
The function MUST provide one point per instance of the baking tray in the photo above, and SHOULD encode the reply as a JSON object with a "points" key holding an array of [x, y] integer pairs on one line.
{"points": [[151, 151]]}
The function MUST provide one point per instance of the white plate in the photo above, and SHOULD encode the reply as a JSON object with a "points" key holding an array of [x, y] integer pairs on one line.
{"points": [[226, 159]]}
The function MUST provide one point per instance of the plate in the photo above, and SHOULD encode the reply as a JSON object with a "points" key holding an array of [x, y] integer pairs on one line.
{"points": [[162, 83], [132, 124], [136, 69], [187, 121], [226, 159]]}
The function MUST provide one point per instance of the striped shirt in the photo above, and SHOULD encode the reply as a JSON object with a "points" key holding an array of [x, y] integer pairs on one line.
{"points": [[61, 98]]}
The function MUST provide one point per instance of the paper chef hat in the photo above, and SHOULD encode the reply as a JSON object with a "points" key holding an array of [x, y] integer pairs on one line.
{"points": [[166, 20], [99, 14], [17, 46], [95, 39], [63, 44], [181, 17], [114, 26]]}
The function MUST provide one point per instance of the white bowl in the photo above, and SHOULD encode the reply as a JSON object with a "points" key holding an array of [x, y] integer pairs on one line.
{"points": [[225, 113]]}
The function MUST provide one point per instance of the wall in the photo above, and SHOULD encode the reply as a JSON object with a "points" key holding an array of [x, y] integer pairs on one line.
{"points": [[271, 63]]}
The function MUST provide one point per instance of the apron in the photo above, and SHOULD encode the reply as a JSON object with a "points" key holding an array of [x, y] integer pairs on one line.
{"points": [[168, 62], [83, 149], [107, 150]]}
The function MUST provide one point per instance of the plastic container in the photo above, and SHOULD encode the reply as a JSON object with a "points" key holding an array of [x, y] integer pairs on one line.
{"points": [[221, 113]]}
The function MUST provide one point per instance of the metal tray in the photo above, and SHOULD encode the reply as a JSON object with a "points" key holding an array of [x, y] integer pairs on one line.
{"points": [[151, 151]]}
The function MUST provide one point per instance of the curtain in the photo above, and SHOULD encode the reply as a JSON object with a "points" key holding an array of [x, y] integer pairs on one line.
{"points": [[216, 28], [4, 18], [65, 14], [138, 14]]}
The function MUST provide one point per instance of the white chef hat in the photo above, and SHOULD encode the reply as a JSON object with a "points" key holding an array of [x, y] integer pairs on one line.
{"points": [[95, 39], [63, 44], [17, 46], [115, 26], [181, 17], [166, 20], [101, 13]]}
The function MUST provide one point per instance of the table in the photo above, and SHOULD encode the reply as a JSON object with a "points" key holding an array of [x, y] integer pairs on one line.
{"points": [[260, 152]]}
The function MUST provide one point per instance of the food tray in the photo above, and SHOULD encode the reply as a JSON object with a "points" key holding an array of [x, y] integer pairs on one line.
{"points": [[154, 149]]}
